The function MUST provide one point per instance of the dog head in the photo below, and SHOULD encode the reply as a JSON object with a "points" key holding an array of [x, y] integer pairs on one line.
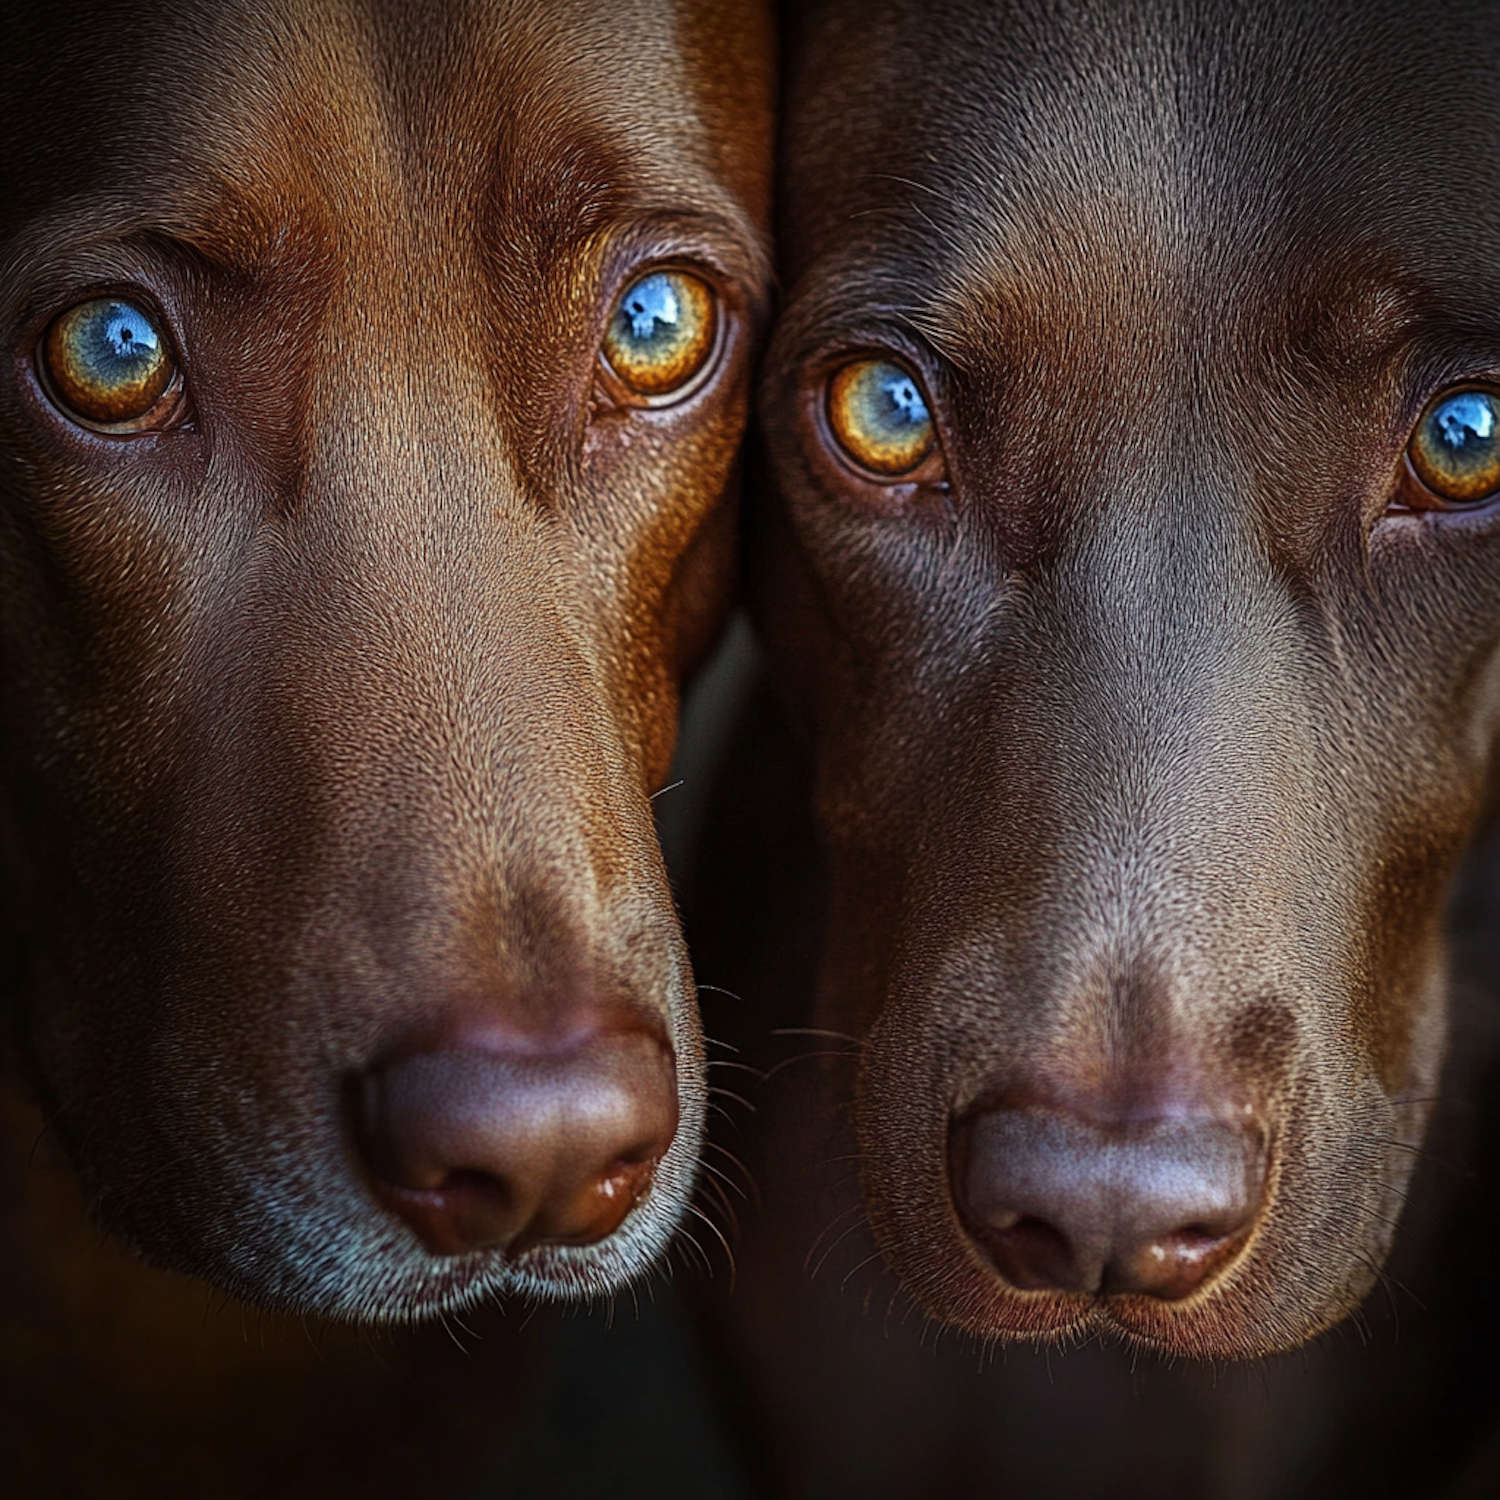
{"points": [[373, 385], [1135, 571]]}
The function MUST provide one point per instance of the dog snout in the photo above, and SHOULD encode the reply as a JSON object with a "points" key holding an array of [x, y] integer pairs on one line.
{"points": [[480, 1142], [1060, 1201]]}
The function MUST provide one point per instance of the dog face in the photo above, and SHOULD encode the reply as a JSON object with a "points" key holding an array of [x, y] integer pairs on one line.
{"points": [[1135, 571], [373, 386]]}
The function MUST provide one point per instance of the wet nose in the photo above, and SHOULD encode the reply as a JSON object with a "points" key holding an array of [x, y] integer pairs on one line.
{"points": [[477, 1144], [1061, 1202]]}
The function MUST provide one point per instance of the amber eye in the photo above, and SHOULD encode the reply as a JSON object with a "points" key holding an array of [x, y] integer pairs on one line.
{"points": [[106, 363], [1456, 447], [879, 415], [662, 333]]}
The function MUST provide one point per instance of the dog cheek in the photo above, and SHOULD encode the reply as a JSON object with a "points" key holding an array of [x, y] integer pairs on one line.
{"points": [[658, 532]]}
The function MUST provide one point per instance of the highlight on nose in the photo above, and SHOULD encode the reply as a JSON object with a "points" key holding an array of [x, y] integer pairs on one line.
{"points": [[478, 1145], [1060, 1202]]}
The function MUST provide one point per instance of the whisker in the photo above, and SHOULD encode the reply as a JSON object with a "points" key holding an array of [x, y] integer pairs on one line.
{"points": [[749, 1191], [912, 182], [725, 1151], [739, 1099], [857, 1269], [447, 1328], [837, 1036], [817, 1270], [718, 1234], [802, 1057], [725, 1178], [684, 1234], [1422, 1154], [729, 1062], [716, 1108], [726, 1211]]}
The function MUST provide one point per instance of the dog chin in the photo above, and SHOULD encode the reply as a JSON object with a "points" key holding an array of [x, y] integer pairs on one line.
{"points": [[331, 1251], [1248, 1313], [1267, 1300], [1229, 1322]]}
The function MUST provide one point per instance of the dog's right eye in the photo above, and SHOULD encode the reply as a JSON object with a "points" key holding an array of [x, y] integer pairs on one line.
{"points": [[878, 413], [107, 365], [1455, 450], [663, 330]]}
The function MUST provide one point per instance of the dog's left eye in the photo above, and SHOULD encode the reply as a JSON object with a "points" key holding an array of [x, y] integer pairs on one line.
{"points": [[1455, 450], [662, 333], [107, 365], [878, 413]]}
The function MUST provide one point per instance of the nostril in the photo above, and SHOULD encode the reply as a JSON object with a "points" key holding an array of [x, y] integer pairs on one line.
{"points": [[1035, 1256], [478, 1147], [1173, 1265]]}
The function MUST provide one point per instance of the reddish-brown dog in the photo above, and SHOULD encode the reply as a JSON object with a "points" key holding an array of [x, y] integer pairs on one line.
{"points": [[373, 379], [1135, 417]]}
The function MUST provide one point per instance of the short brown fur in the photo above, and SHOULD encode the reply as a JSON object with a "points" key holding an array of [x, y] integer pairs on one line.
{"points": [[1149, 738], [342, 700]]}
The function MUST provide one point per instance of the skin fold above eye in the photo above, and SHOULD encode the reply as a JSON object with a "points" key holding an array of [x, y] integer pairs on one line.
{"points": [[662, 333], [105, 361]]}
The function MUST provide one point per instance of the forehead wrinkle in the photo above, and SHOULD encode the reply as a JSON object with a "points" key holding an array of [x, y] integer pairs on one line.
{"points": [[247, 117], [578, 106], [1153, 138]]}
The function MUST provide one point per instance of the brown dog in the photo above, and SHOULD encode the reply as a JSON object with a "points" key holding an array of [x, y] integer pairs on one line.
{"points": [[374, 379], [1149, 683], [1136, 417]]}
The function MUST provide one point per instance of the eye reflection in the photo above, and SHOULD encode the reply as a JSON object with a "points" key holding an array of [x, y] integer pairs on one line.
{"points": [[662, 333], [1456, 447], [879, 415]]}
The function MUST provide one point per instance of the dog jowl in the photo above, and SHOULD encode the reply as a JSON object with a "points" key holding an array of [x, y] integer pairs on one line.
{"points": [[372, 384], [1135, 568]]}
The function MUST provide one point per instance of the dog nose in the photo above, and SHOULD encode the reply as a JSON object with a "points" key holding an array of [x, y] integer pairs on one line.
{"points": [[1061, 1202], [478, 1144]]}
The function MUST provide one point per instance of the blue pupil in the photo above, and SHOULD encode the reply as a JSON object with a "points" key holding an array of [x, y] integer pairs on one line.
{"points": [[902, 407], [650, 304], [119, 335], [1466, 421]]}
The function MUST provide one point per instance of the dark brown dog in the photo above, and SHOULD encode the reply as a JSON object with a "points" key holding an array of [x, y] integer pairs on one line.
{"points": [[1135, 415], [373, 381], [839, 1386]]}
